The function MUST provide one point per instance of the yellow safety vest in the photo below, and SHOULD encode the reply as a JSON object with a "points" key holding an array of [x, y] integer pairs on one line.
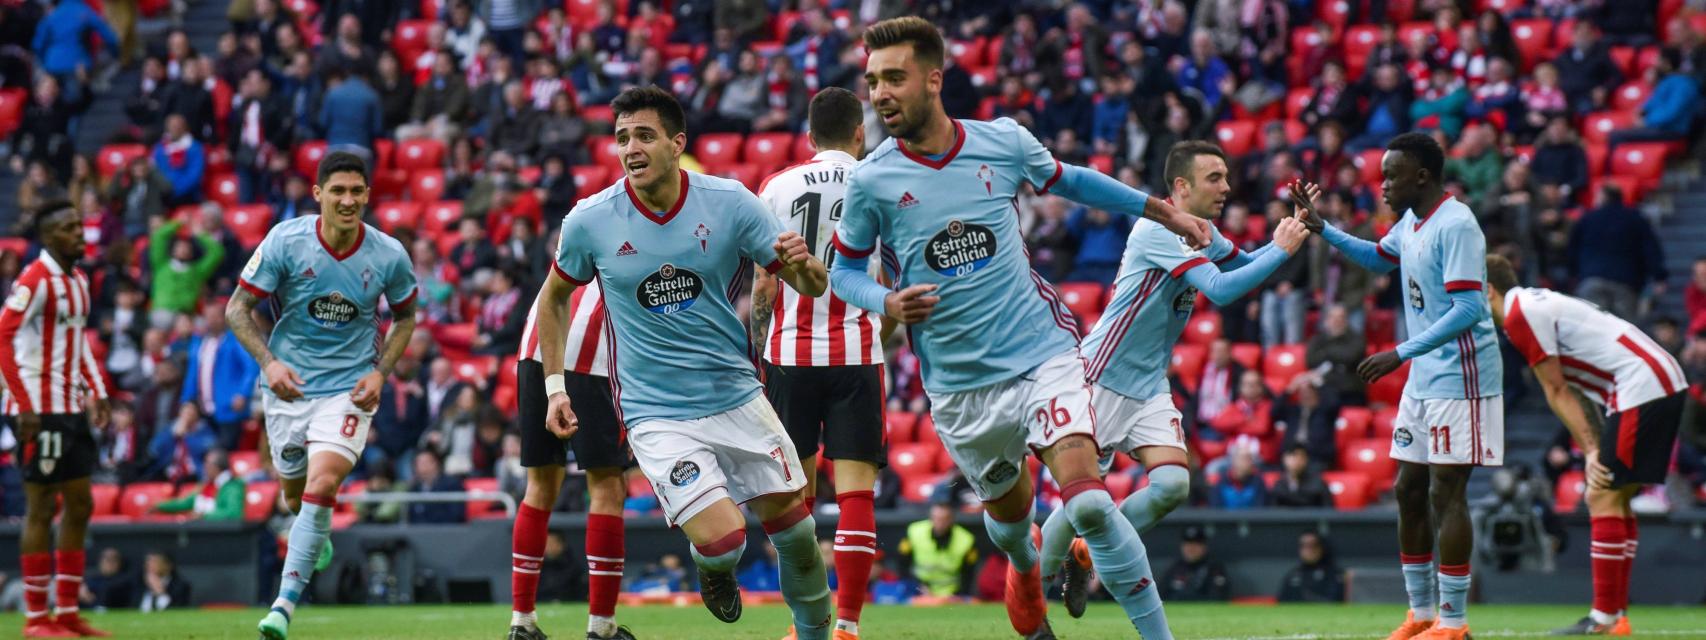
{"points": [[938, 569]]}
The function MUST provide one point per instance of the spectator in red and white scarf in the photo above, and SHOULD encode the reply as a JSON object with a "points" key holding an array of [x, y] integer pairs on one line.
{"points": [[784, 97]]}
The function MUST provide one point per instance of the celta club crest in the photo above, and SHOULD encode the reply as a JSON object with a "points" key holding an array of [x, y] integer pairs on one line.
{"points": [[703, 233], [987, 175], [366, 279]]}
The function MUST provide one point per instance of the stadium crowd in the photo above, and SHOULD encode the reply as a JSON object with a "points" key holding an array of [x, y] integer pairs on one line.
{"points": [[484, 122]]}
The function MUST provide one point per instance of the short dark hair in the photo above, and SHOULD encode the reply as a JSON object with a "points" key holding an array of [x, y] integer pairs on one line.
{"points": [[1501, 276], [1182, 158], [650, 97], [1423, 149], [340, 162], [46, 211], [835, 115], [926, 40]]}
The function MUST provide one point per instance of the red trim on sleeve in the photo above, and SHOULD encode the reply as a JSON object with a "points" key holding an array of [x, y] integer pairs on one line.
{"points": [[412, 293], [843, 249], [1462, 285], [1058, 171], [1229, 256], [565, 275], [1188, 265], [1522, 335], [773, 267], [1382, 251], [251, 288]]}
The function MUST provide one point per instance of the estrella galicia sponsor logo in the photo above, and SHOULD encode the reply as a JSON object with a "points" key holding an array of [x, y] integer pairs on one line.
{"points": [[292, 454], [1000, 473], [1416, 295], [960, 249], [684, 473], [332, 310], [1403, 437], [1185, 302], [669, 290]]}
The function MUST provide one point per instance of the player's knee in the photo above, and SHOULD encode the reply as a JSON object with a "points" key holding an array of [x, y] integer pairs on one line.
{"points": [[1411, 488], [1170, 488], [1445, 495], [1089, 506], [1602, 501], [78, 508], [323, 486]]}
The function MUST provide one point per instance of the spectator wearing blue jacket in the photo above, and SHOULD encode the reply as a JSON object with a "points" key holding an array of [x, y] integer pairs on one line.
{"points": [[62, 39], [1101, 243], [177, 451], [1205, 71], [1669, 113], [1110, 112], [429, 478], [350, 115], [182, 160], [220, 378], [1613, 253], [1242, 488]]}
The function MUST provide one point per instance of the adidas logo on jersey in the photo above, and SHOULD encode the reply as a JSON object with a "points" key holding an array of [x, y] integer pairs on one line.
{"points": [[626, 250], [906, 200]]}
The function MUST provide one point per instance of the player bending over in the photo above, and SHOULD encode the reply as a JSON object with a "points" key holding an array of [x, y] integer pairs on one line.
{"points": [[54, 393], [999, 351], [1130, 347], [324, 365], [1451, 415], [1578, 350], [599, 448], [671, 249], [823, 358]]}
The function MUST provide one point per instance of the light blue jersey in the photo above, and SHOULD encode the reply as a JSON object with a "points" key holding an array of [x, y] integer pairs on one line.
{"points": [[328, 304], [953, 222], [669, 281], [1437, 255], [1131, 345]]}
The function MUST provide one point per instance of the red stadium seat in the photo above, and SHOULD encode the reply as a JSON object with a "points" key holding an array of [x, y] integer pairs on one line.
{"points": [[1631, 96], [1281, 363], [258, 500], [1380, 326], [750, 175], [1409, 30], [1386, 391], [1203, 327], [969, 54], [1349, 489], [250, 222], [1633, 189], [717, 150], [1597, 153], [926, 431], [307, 158], [441, 218], [426, 185], [1237, 137], [1188, 361], [1624, 58], [12, 105], [589, 179], [919, 488], [1370, 457], [899, 427], [1501, 6], [1359, 41], [1102, 163], [1567, 496], [1120, 485], [398, 215], [983, 78], [218, 160], [483, 509], [105, 497], [1351, 425], [222, 188], [114, 158], [384, 153], [913, 459], [1082, 298], [411, 36], [1641, 160], [1368, 164], [802, 149], [245, 462], [769, 149], [1247, 354], [1297, 100], [425, 153], [1597, 127], [1334, 12], [1533, 41], [1384, 423], [138, 498], [604, 152]]}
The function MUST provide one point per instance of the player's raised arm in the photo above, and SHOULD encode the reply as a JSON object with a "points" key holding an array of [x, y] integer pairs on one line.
{"points": [[1223, 287], [1373, 256]]}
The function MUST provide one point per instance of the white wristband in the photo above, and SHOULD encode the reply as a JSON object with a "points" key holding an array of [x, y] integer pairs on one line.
{"points": [[554, 385]]}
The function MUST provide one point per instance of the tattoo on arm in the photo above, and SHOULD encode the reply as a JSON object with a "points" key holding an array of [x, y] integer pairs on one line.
{"points": [[397, 339], [763, 291], [240, 317]]}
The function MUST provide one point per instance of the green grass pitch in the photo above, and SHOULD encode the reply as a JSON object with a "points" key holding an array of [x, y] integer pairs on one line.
{"points": [[1189, 621]]}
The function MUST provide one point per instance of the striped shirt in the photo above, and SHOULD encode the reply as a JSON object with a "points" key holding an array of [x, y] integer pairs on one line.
{"points": [[44, 357], [586, 350], [1608, 360]]}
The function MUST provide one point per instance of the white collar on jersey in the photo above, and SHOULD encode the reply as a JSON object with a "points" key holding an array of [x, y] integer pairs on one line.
{"points": [[834, 154], [53, 266]]}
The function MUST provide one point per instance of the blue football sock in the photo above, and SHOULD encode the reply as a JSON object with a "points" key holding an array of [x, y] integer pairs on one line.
{"points": [[1168, 487], [1057, 542], [307, 537], [1419, 584], [805, 582], [1118, 555], [1454, 596], [1014, 539]]}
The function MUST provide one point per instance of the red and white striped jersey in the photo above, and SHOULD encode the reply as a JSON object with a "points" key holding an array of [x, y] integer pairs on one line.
{"points": [[824, 331], [586, 351], [1609, 360], [44, 357]]}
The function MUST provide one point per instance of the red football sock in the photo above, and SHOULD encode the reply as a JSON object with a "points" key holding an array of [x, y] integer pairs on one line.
{"points": [[1631, 536], [38, 572], [69, 565], [855, 552], [604, 553], [1606, 551], [527, 553]]}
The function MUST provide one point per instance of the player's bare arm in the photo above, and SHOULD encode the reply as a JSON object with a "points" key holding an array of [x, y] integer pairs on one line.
{"points": [[366, 392], [763, 298], [800, 269], [553, 329], [240, 317], [1566, 403]]}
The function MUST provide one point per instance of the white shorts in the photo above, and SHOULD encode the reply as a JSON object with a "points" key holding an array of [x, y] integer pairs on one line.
{"points": [[1450, 431], [740, 454], [988, 430], [297, 430], [1125, 424]]}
